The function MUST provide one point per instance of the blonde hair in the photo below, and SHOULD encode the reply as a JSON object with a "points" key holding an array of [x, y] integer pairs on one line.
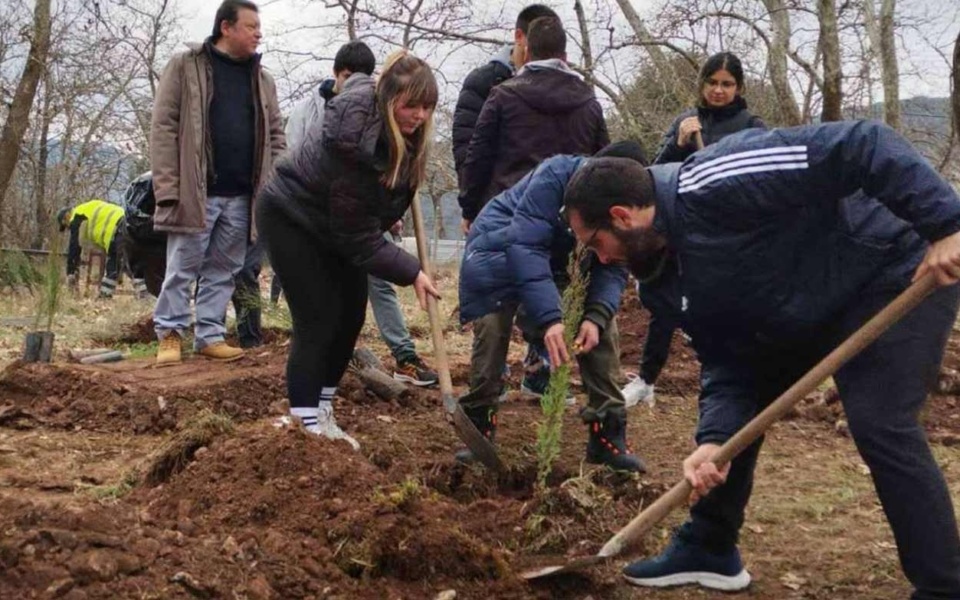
{"points": [[407, 79]]}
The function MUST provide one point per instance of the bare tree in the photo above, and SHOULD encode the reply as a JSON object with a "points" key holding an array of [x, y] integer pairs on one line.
{"points": [[18, 118], [779, 49], [955, 95], [883, 47], [832, 109]]}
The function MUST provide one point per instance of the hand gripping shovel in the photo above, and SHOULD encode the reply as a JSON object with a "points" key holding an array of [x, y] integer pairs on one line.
{"points": [[678, 494], [480, 446]]}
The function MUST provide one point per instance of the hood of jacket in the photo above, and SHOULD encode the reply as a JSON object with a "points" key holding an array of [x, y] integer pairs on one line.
{"points": [[351, 121], [504, 56], [550, 90]]}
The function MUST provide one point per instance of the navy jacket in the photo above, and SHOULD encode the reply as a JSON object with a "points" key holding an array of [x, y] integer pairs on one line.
{"points": [[779, 232], [518, 246]]}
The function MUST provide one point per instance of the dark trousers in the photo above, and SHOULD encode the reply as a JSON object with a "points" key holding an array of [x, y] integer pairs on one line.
{"points": [[491, 341], [882, 390], [246, 297], [656, 348], [327, 297]]}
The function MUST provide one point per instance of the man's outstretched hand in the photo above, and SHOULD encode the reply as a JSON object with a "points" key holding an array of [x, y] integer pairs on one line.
{"points": [[943, 260]]}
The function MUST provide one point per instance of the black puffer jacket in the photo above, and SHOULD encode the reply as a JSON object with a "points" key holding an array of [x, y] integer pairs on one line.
{"points": [[330, 185], [476, 89], [717, 124], [539, 113]]}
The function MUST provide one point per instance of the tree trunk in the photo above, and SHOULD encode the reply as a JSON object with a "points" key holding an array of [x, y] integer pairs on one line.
{"points": [[832, 73], [883, 43], [955, 95], [646, 40], [19, 116], [891, 70], [40, 187], [777, 61], [584, 37]]}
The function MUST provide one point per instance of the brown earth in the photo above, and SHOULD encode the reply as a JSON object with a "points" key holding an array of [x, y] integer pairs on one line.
{"points": [[266, 512]]}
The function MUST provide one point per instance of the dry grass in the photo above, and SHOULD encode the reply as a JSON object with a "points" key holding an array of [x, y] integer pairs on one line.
{"points": [[177, 452]]}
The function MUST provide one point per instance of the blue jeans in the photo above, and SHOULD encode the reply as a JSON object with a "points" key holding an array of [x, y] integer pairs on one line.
{"points": [[882, 390], [389, 317], [211, 258]]}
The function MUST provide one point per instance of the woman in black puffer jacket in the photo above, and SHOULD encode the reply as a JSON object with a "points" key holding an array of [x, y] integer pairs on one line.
{"points": [[323, 214], [720, 111]]}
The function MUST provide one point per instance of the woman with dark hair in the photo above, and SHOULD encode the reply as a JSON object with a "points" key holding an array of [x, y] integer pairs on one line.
{"points": [[720, 111], [323, 214]]}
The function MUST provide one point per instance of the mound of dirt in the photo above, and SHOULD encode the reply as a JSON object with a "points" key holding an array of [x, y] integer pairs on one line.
{"points": [[119, 398]]}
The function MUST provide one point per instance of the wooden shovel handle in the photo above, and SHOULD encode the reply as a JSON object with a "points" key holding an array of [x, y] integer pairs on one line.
{"points": [[698, 138], [752, 431], [436, 327]]}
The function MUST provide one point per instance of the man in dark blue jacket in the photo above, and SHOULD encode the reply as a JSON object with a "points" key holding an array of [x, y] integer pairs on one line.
{"points": [[776, 268], [516, 258]]}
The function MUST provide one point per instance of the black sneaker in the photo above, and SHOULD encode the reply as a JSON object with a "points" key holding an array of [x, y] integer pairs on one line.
{"points": [[484, 419], [413, 370], [685, 563], [607, 445]]}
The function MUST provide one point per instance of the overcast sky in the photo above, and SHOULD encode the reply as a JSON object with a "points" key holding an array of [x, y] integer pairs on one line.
{"points": [[924, 71]]}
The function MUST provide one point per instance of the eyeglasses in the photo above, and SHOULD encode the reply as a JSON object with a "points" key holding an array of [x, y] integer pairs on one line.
{"points": [[565, 217]]}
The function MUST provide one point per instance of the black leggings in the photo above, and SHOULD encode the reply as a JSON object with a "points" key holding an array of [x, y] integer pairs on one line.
{"points": [[327, 297]]}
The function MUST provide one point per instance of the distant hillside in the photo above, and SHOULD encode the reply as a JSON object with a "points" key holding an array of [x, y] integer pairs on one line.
{"points": [[926, 123]]}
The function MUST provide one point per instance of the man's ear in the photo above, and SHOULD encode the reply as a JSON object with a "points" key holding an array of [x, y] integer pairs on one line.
{"points": [[621, 217], [519, 37]]}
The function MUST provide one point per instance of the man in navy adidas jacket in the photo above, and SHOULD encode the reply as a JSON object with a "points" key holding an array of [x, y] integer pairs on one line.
{"points": [[787, 241]]}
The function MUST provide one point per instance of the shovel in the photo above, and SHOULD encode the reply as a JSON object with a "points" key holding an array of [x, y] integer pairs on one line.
{"points": [[678, 494], [480, 446]]}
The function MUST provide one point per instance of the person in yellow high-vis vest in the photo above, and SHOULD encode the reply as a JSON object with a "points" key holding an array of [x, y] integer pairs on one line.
{"points": [[94, 224]]}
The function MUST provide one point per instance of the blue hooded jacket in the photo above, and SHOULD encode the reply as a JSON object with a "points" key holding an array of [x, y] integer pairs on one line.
{"points": [[519, 244], [777, 233]]}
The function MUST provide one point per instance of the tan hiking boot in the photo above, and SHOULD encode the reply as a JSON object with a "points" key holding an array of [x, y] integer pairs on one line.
{"points": [[221, 351], [168, 353]]}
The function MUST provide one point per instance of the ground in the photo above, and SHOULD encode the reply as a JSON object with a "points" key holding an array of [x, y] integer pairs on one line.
{"points": [[125, 481]]}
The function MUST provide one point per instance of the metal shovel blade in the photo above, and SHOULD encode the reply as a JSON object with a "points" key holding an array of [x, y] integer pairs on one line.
{"points": [[574, 565], [468, 433]]}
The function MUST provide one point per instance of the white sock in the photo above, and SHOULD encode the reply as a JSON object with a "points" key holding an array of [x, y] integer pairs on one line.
{"points": [[327, 394], [307, 416]]}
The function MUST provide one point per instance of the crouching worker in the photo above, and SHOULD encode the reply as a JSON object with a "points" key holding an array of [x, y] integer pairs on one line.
{"points": [[323, 215], [94, 225], [788, 241], [516, 261]]}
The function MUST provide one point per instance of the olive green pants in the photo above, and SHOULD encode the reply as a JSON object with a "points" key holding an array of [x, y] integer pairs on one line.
{"points": [[491, 341]]}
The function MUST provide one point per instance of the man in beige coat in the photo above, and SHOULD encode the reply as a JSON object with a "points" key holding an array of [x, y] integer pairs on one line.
{"points": [[215, 132]]}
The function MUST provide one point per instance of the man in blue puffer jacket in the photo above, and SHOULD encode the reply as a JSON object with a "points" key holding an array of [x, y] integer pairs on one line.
{"points": [[516, 260], [779, 262]]}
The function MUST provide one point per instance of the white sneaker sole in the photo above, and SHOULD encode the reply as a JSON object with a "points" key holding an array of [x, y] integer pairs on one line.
{"points": [[713, 581], [413, 380]]}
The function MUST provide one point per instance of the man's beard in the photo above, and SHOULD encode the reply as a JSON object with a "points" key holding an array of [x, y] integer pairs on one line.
{"points": [[645, 250]]}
